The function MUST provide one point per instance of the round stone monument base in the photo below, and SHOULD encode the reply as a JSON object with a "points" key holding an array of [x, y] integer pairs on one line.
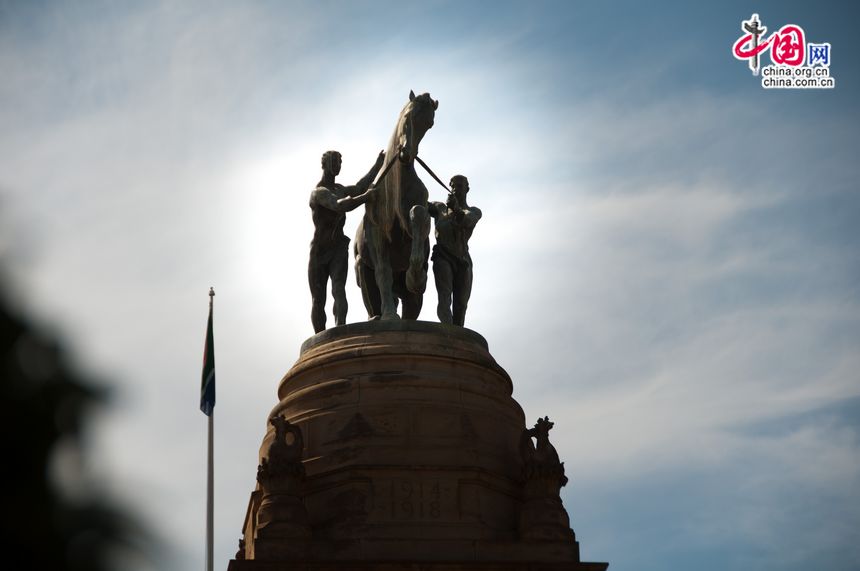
{"points": [[238, 565], [411, 454]]}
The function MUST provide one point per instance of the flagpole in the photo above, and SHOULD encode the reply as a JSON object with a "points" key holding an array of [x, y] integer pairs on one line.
{"points": [[210, 471], [210, 498]]}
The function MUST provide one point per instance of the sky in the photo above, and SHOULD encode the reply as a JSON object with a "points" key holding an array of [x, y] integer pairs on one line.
{"points": [[668, 263]]}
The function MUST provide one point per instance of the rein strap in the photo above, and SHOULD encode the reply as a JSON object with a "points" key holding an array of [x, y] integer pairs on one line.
{"points": [[433, 174]]}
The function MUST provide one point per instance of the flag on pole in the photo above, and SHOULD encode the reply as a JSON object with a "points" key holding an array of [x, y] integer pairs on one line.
{"points": [[207, 385]]}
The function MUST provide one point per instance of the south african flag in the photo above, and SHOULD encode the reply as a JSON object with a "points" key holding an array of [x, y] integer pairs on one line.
{"points": [[207, 385]]}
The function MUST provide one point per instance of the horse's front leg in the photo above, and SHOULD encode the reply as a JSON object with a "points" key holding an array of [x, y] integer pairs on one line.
{"points": [[419, 226]]}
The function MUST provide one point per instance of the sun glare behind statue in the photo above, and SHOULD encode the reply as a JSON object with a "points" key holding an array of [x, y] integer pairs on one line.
{"points": [[275, 227], [274, 230]]}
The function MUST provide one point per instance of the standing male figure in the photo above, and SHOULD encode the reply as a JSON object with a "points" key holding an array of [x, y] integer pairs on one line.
{"points": [[329, 249], [452, 264]]}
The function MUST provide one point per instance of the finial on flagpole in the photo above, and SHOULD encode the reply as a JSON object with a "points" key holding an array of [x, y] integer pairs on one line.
{"points": [[211, 295]]}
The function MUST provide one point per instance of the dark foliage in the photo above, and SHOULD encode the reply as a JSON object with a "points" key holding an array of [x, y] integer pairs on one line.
{"points": [[44, 403]]}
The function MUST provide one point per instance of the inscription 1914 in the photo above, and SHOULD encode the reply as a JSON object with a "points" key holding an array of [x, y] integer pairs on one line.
{"points": [[407, 499]]}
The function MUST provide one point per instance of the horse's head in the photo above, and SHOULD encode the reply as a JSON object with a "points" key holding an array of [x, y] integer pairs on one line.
{"points": [[391, 204], [417, 118]]}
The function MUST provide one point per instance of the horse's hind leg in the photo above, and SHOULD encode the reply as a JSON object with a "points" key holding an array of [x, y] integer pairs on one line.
{"points": [[380, 256], [419, 226], [369, 291], [369, 254]]}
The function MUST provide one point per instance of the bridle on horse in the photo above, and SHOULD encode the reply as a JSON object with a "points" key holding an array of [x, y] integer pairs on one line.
{"points": [[420, 162]]}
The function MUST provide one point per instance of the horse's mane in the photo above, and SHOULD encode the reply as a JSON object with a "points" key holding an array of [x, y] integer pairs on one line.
{"points": [[387, 205]]}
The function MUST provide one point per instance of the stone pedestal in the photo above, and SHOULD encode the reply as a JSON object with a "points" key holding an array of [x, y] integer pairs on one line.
{"points": [[411, 456]]}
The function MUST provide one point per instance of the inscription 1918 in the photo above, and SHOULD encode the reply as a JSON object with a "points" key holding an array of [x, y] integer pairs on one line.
{"points": [[412, 500]]}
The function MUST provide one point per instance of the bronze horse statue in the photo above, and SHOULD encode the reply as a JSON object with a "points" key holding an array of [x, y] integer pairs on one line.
{"points": [[392, 243]]}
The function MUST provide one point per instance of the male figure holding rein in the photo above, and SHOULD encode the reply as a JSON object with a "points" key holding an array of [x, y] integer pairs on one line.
{"points": [[452, 264], [329, 257]]}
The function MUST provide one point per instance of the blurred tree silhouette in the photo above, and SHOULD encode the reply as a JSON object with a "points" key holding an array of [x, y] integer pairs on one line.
{"points": [[43, 403]]}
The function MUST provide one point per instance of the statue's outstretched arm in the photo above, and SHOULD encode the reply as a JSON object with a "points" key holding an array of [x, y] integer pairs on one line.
{"points": [[363, 184], [327, 199]]}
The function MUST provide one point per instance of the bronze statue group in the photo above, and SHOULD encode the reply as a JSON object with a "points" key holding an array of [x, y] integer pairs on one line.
{"points": [[392, 244]]}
